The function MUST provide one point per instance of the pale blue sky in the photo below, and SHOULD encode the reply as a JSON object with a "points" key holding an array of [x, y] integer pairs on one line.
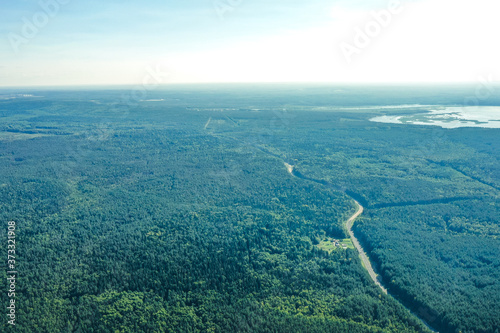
{"points": [[116, 41]]}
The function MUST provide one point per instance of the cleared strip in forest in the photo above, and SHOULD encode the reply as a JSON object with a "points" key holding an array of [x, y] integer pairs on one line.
{"points": [[362, 254], [421, 202], [464, 174]]}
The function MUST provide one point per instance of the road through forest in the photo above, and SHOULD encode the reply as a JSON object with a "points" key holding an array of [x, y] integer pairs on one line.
{"points": [[361, 251], [362, 254]]}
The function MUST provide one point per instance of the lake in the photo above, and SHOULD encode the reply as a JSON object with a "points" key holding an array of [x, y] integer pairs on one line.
{"points": [[449, 117]]}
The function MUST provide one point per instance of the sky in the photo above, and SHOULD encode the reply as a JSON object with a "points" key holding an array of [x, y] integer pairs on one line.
{"points": [[113, 42]]}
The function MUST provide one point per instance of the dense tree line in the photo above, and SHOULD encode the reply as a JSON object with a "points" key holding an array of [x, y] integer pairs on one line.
{"points": [[180, 215], [178, 230], [431, 220]]}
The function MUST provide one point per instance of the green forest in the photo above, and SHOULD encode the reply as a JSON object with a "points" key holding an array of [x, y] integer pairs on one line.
{"points": [[179, 215]]}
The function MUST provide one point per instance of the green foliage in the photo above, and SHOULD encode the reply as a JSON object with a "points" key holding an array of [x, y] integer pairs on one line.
{"points": [[139, 219]]}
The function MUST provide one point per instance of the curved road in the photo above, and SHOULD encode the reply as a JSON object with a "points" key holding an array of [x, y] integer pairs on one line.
{"points": [[364, 258], [361, 251], [355, 242], [362, 254]]}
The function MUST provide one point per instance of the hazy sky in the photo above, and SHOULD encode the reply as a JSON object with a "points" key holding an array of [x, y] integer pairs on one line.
{"points": [[128, 42]]}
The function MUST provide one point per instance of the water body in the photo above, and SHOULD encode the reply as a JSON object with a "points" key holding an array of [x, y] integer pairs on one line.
{"points": [[449, 117]]}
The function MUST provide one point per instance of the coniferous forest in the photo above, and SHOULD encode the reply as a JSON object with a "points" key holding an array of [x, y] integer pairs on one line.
{"points": [[176, 213]]}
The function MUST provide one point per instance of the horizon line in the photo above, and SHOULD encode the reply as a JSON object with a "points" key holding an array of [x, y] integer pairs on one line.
{"points": [[165, 85]]}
